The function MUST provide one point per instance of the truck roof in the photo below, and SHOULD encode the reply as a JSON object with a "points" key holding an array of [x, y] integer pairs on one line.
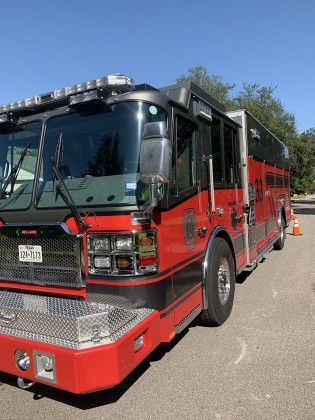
{"points": [[104, 89]]}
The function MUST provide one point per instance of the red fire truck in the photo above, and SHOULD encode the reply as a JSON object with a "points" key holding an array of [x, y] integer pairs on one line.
{"points": [[125, 212]]}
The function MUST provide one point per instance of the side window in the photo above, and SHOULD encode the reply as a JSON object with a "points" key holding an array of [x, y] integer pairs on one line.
{"points": [[216, 150], [237, 157], [231, 155], [205, 141], [184, 161], [228, 154]]}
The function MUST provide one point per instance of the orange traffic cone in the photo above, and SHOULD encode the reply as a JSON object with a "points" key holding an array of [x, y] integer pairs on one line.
{"points": [[293, 216], [296, 228]]}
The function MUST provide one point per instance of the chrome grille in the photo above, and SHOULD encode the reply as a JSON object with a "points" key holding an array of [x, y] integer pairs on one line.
{"points": [[61, 264]]}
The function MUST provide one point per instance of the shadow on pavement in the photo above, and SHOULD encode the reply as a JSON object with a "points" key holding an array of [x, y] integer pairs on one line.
{"points": [[306, 211], [305, 206]]}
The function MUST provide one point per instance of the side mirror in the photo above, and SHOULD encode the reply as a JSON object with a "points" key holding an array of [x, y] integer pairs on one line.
{"points": [[155, 154]]}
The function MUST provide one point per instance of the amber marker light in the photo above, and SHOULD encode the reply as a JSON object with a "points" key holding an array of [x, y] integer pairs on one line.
{"points": [[124, 263], [146, 241]]}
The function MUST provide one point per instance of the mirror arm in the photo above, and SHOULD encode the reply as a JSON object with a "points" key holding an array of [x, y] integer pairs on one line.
{"points": [[145, 216], [153, 199]]}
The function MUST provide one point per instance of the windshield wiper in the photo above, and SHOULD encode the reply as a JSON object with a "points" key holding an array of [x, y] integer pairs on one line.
{"points": [[14, 173], [57, 164], [59, 158]]}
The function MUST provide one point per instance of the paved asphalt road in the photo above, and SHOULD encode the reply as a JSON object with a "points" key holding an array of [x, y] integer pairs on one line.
{"points": [[259, 365]]}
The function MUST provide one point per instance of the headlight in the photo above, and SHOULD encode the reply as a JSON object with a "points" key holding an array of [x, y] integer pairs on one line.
{"points": [[122, 253], [123, 243], [101, 262], [100, 244]]}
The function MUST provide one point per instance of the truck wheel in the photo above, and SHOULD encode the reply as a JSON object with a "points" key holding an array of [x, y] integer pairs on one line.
{"points": [[220, 284], [279, 244]]}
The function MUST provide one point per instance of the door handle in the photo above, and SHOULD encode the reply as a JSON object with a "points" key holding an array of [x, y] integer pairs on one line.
{"points": [[202, 231]]}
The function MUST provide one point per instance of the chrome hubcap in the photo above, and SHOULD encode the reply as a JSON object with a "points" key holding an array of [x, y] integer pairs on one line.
{"points": [[224, 281]]}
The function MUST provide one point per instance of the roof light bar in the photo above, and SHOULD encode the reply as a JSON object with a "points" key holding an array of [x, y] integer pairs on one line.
{"points": [[112, 84], [7, 118], [115, 81], [79, 98]]}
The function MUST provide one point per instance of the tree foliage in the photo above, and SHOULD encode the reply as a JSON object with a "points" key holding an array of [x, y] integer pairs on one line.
{"points": [[212, 84], [261, 102], [302, 162]]}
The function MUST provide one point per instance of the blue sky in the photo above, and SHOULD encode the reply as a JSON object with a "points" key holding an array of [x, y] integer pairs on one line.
{"points": [[47, 45]]}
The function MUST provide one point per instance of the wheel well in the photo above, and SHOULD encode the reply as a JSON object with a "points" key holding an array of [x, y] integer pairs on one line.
{"points": [[224, 235], [284, 216]]}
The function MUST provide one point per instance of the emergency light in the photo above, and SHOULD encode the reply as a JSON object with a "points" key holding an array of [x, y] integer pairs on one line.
{"points": [[112, 84], [7, 118]]}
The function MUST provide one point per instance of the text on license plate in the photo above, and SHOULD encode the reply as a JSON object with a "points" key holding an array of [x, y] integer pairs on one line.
{"points": [[30, 253]]}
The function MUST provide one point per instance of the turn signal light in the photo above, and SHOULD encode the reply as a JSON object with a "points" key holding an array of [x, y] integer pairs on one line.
{"points": [[147, 241], [124, 263]]}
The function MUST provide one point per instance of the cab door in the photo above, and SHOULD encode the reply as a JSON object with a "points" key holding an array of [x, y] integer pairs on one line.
{"points": [[187, 217]]}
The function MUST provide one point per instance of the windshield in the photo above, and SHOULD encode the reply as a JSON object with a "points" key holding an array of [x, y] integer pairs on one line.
{"points": [[18, 156], [98, 157]]}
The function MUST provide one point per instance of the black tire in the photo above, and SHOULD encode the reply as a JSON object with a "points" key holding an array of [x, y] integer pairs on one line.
{"points": [[279, 244], [220, 284]]}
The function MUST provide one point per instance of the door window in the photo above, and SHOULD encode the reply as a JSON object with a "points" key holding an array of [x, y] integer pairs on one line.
{"points": [[216, 150], [184, 157]]}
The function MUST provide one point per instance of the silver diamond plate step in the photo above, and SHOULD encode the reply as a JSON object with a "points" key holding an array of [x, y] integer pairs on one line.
{"points": [[65, 322]]}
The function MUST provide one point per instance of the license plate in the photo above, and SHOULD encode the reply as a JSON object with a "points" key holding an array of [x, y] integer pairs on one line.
{"points": [[30, 253]]}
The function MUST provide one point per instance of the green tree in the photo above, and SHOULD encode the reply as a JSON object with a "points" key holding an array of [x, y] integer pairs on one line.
{"points": [[302, 162], [212, 84], [261, 102]]}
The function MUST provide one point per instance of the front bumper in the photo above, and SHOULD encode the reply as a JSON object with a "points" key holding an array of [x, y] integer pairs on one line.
{"points": [[92, 346]]}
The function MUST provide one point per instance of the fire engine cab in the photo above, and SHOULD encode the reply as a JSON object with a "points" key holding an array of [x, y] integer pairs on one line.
{"points": [[126, 211]]}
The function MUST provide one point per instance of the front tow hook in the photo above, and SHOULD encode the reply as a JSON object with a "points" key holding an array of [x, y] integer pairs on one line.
{"points": [[24, 384]]}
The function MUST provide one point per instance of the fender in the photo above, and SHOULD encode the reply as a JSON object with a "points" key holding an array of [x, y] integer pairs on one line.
{"points": [[218, 231]]}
